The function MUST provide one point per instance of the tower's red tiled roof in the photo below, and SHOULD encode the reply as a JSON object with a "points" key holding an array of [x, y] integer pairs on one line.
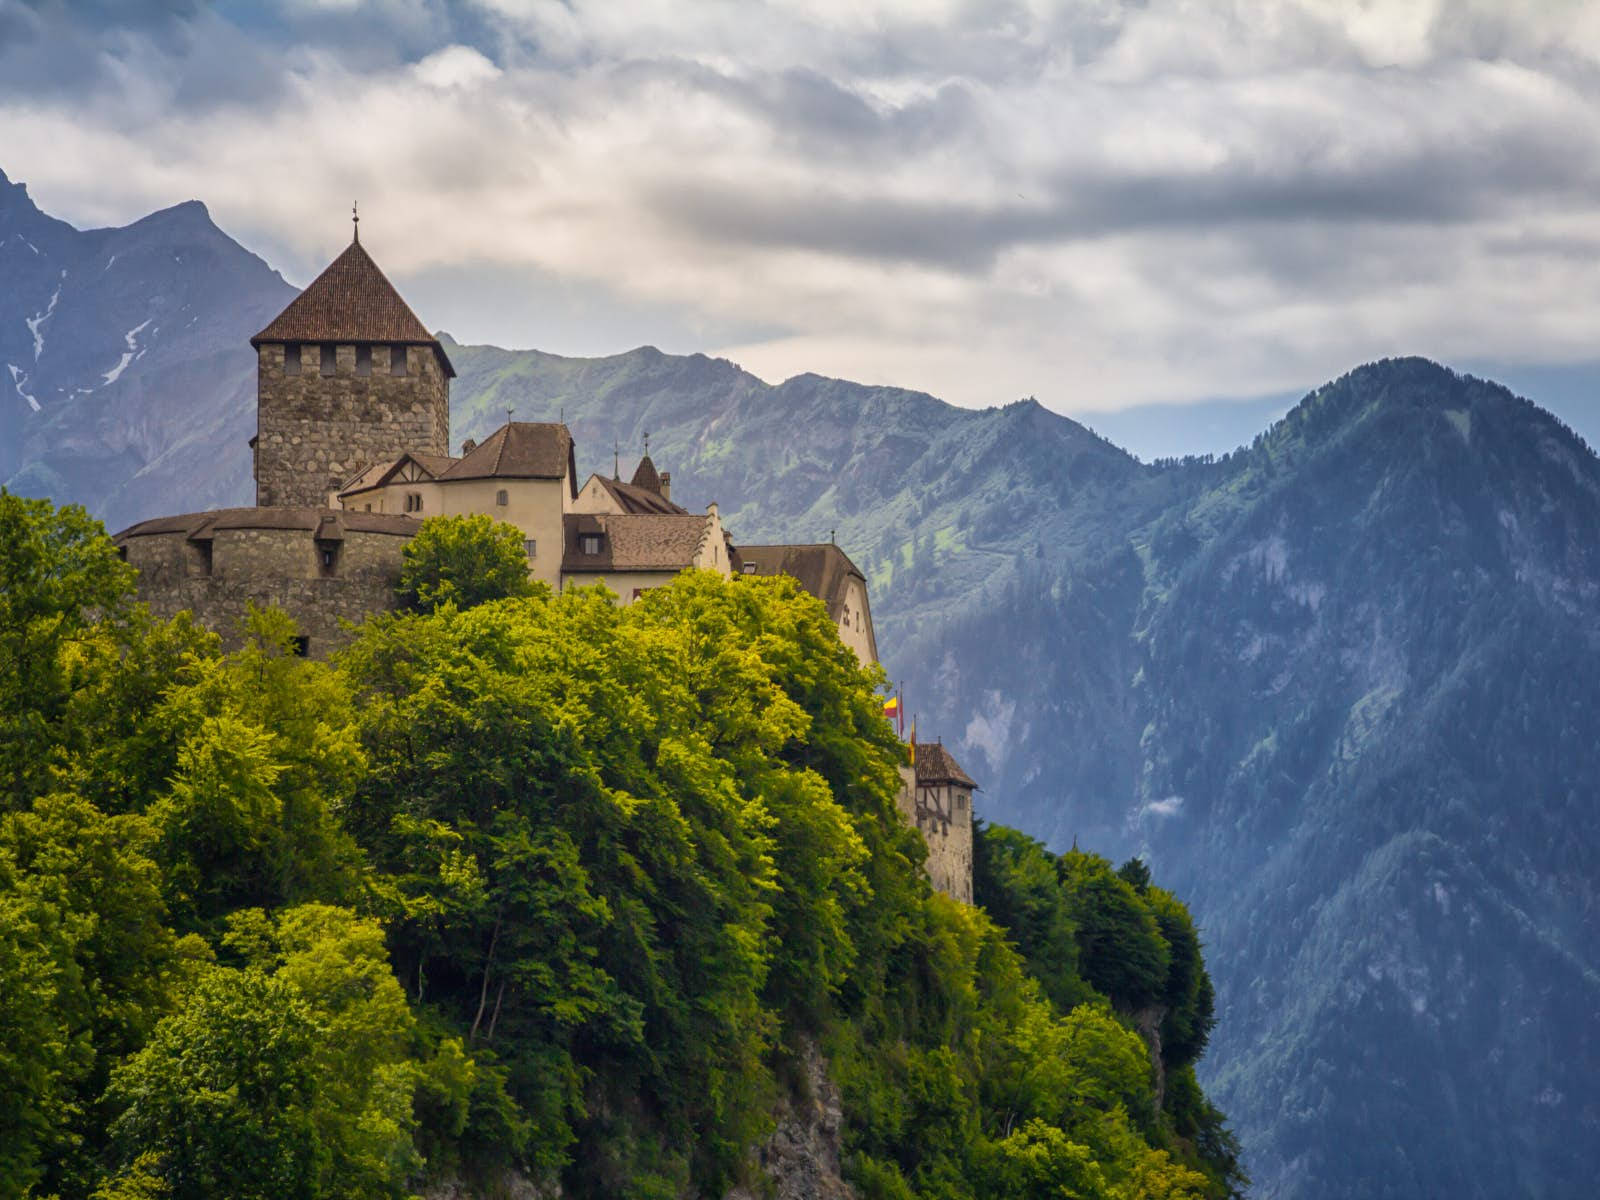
{"points": [[351, 301]]}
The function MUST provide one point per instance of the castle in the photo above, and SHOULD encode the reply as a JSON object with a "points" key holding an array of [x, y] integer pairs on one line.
{"points": [[352, 452]]}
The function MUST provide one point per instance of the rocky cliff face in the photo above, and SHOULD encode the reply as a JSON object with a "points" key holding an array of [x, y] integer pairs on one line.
{"points": [[801, 1158]]}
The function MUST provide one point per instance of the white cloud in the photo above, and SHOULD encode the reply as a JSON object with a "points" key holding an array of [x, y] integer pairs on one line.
{"points": [[456, 67], [1096, 203]]}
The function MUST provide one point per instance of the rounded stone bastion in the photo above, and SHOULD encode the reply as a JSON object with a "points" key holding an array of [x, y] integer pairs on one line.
{"points": [[322, 566]]}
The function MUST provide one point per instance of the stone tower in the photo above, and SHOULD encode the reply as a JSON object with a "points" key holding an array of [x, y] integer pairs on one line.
{"points": [[346, 377]]}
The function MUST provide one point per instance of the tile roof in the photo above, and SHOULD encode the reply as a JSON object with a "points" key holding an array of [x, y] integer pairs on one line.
{"points": [[935, 764], [381, 474], [330, 523], [646, 477], [351, 301], [634, 541], [636, 499], [823, 570], [520, 450]]}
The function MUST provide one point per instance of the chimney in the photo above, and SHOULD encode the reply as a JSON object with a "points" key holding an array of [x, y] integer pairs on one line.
{"points": [[666, 485], [468, 446]]}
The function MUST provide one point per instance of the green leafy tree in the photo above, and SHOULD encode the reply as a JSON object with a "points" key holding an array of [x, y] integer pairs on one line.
{"points": [[463, 561], [224, 1093], [264, 754], [294, 1073], [59, 577], [1120, 948]]}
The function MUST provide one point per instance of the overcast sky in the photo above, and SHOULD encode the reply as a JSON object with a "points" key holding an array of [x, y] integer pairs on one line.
{"points": [[1100, 203]]}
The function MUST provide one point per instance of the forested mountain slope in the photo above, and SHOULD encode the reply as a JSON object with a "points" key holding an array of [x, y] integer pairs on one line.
{"points": [[1345, 692]]}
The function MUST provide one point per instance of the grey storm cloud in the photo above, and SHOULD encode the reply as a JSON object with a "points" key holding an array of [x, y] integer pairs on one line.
{"points": [[1428, 185], [1145, 199]]}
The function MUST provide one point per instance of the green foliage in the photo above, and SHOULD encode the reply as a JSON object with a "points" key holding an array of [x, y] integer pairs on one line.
{"points": [[59, 576], [463, 561], [547, 885]]}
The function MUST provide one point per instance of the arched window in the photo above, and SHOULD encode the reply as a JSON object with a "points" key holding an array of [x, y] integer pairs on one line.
{"points": [[502, 497]]}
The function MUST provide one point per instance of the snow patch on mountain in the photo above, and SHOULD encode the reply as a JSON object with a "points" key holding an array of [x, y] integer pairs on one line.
{"points": [[131, 340], [39, 319], [18, 377]]}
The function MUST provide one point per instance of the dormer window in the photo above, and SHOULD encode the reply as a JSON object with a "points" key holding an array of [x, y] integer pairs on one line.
{"points": [[330, 358], [590, 543], [397, 360], [291, 358], [751, 569]]}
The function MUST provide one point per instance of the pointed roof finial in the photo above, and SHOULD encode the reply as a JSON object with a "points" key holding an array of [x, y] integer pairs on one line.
{"points": [[509, 411], [355, 222], [647, 443]]}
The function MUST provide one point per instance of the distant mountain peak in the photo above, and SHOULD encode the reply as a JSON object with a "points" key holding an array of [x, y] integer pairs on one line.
{"points": [[190, 214]]}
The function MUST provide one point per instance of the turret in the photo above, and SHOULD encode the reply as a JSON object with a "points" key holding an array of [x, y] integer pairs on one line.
{"points": [[347, 376]]}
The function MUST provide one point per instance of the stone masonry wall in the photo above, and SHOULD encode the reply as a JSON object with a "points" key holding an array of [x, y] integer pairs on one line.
{"points": [[280, 567], [314, 431], [943, 815]]}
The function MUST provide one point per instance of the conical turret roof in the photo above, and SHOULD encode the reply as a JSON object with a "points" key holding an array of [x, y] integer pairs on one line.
{"points": [[351, 301], [645, 476]]}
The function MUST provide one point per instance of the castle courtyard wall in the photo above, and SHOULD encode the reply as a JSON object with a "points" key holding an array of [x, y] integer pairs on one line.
{"points": [[277, 567]]}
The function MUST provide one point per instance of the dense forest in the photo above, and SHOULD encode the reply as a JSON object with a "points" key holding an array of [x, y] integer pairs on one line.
{"points": [[539, 888]]}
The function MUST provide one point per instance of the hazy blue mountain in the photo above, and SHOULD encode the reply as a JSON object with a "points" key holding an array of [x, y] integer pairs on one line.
{"points": [[1343, 692], [1341, 685], [126, 379]]}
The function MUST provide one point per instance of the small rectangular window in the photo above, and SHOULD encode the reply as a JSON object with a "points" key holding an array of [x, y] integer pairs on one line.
{"points": [[200, 557], [328, 558], [397, 360], [750, 568], [502, 497], [363, 360], [330, 358], [531, 547], [291, 358], [301, 646]]}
